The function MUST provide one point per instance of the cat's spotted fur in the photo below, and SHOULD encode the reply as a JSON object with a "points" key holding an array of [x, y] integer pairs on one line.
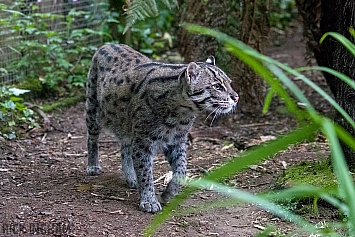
{"points": [[150, 106]]}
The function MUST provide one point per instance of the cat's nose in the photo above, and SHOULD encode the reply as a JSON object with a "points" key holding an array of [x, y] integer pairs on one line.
{"points": [[234, 97]]}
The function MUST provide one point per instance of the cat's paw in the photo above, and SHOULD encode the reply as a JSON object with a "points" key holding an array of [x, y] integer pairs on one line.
{"points": [[93, 170], [167, 196], [152, 207], [171, 191]]}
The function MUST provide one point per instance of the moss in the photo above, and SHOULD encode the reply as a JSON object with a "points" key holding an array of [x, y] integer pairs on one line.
{"points": [[34, 85], [37, 89], [70, 101], [316, 173]]}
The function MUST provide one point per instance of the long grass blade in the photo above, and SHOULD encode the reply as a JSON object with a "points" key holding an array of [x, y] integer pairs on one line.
{"points": [[339, 75], [233, 166], [267, 101], [262, 202], [346, 184], [342, 39]]}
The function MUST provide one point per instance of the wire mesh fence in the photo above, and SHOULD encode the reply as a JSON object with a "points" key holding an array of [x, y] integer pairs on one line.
{"points": [[11, 38]]}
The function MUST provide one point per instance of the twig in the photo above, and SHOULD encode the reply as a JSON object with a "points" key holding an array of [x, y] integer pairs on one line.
{"points": [[253, 125], [108, 141], [108, 197]]}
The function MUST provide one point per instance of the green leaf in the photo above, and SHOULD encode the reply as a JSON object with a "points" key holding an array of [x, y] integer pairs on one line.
{"points": [[346, 184], [13, 98], [251, 198], [167, 3], [15, 13], [12, 48], [342, 39], [339, 75], [267, 100], [3, 70], [9, 104]]}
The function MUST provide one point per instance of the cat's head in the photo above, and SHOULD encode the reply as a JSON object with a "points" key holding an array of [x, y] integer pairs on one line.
{"points": [[210, 88]]}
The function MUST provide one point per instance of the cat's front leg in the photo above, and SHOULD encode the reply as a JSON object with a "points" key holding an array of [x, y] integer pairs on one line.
{"points": [[176, 156], [127, 165], [143, 164]]}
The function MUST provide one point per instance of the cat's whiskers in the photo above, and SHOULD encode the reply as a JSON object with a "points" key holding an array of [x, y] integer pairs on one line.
{"points": [[216, 115], [211, 113]]}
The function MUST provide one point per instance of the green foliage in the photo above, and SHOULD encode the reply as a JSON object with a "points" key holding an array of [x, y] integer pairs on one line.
{"points": [[58, 58], [13, 113], [282, 13], [151, 36], [66, 102], [276, 75], [139, 10]]}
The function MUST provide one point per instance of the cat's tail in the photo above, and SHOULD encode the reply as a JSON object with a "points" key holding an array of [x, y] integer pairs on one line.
{"points": [[92, 108], [92, 102]]}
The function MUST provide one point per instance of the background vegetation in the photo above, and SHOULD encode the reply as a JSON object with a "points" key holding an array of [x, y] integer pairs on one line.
{"points": [[54, 55]]}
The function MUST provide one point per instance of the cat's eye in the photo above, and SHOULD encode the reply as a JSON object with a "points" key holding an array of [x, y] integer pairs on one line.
{"points": [[218, 87]]}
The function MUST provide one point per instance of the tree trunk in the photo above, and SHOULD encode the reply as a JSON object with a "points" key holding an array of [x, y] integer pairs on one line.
{"points": [[246, 20], [319, 17]]}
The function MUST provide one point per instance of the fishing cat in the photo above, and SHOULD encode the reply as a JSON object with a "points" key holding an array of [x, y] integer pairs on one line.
{"points": [[150, 106]]}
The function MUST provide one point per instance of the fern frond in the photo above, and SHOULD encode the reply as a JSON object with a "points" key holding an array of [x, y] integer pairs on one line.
{"points": [[153, 6], [167, 3], [138, 10]]}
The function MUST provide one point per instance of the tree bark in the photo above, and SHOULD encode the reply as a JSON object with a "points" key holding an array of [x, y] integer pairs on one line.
{"points": [[319, 17]]}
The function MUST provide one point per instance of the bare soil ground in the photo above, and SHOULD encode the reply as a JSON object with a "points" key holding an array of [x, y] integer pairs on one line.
{"points": [[46, 192]]}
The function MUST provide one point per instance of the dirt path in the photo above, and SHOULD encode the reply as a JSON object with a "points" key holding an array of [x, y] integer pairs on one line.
{"points": [[45, 191]]}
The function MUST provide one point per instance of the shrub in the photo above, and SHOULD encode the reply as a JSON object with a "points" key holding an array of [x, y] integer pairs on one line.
{"points": [[51, 49]]}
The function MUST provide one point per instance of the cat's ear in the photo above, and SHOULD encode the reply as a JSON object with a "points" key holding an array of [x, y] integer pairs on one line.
{"points": [[211, 60], [192, 73]]}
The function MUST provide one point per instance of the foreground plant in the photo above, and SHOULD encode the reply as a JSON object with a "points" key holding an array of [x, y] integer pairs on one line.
{"points": [[276, 75], [14, 113]]}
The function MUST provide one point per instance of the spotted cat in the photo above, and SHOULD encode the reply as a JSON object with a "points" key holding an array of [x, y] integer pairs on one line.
{"points": [[150, 106]]}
